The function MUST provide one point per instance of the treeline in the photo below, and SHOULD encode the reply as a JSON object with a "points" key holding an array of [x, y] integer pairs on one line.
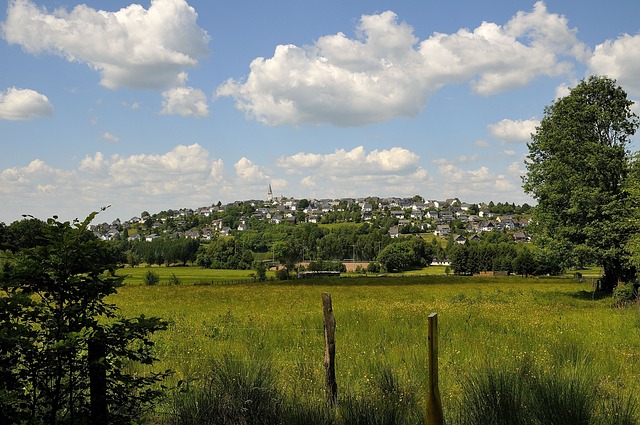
{"points": [[491, 254], [288, 245]]}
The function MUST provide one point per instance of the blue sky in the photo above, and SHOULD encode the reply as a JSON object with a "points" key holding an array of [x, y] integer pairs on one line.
{"points": [[169, 104]]}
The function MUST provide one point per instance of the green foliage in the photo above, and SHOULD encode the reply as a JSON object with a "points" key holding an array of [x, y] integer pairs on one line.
{"points": [[58, 333], [373, 267], [412, 252], [625, 293], [261, 272], [577, 169], [151, 278], [336, 266], [225, 253], [283, 274], [174, 280]]}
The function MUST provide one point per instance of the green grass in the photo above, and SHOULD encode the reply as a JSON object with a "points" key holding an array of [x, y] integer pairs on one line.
{"points": [[186, 275], [552, 327]]}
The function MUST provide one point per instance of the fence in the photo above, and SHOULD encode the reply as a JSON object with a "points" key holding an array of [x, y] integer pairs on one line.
{"points": [[98, 371]]}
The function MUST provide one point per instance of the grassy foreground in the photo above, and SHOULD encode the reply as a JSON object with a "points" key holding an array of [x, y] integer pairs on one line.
{"points": [[546, 333]]}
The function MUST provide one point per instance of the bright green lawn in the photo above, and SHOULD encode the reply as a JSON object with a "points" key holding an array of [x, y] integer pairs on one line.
{"points": [[552, 325], [187, 275]]}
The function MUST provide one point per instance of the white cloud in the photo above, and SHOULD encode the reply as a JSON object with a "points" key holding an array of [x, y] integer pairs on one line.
{"points": [[110, 137], [133, 47], [514, 131], [23, 104], [395, 171], [248, 172], [386, 72], [481, 143], [185, 101], [183, 177], [509, 152], [562, 90], [619, 59], [342, 162], [480, 183]]}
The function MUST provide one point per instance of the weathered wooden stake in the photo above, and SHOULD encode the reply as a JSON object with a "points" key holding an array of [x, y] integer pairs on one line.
{"points": [[434, 404], [331, 387]]}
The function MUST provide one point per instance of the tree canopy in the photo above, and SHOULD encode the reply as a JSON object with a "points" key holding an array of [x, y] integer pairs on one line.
{"points": [[577, 170]]}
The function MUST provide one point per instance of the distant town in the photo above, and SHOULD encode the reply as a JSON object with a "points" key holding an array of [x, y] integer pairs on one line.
{"points": [[446, 218]]}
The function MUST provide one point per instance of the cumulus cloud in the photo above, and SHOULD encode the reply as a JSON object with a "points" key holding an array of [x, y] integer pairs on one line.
{"points": [[23, 104], [133, 47], [185, 101], [468, 183], [351, 173], [619, 59], [387, 72], [514, 131], [184, 176], [249, 172], [357, 160]]}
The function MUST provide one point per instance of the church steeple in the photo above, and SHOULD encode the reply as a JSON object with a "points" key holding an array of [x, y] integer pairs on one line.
{"points": [[270, 194]]}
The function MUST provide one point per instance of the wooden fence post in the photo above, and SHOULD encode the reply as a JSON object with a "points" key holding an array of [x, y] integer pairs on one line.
{"points": [[434, 404], [331, 387], [97, 352]]}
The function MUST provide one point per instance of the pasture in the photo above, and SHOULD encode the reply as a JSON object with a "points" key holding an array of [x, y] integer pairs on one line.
{"points": [[538, 327]]}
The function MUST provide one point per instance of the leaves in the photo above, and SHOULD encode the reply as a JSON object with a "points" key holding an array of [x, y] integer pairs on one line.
{"points": [[577, 169]]}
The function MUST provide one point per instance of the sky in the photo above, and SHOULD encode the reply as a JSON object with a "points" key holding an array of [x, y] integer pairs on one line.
{"points": [[170, 104]]}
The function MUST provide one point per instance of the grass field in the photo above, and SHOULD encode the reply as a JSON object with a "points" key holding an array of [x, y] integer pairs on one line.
{"points": [[186, 275], [540, 327]]}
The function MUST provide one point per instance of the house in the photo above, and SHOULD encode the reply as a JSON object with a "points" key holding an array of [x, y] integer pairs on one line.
{"points": [[442, 230], [417, 214], [394, 232], [459, 239], [191, 234], [151, 237], [520, 237]]}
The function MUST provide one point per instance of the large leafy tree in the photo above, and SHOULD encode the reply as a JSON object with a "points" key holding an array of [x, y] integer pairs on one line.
{"points": [[577, 169]]}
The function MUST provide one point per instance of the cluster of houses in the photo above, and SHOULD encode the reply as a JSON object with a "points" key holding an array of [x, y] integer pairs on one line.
{"points": [[441, 218]]}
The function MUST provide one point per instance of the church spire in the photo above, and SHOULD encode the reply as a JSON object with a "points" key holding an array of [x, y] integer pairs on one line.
{"points": [[270, 194]]}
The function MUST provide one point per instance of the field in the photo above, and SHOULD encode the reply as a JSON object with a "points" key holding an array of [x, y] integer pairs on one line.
{"points": [[541, 328], [187, 275]]}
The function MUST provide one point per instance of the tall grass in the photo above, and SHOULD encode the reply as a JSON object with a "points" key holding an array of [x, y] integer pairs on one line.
{"points": [[542, 336]]}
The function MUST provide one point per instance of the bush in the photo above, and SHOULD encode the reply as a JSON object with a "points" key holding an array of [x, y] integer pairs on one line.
{"points": [[174, 280], [68, 356], [373, 267], [151, 278], [625, 293], [282, 274]]}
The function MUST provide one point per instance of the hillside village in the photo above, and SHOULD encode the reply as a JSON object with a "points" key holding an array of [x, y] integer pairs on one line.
{"points": [[448, 218]]}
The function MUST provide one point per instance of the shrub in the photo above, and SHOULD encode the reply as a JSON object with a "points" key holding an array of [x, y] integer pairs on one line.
{"points": [[151, 278], [625, 293], [282, 273], [174, 280], [373, 267]]}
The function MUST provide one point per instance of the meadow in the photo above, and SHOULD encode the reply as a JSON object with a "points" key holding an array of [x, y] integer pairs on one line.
{"points": [[538, 332]]}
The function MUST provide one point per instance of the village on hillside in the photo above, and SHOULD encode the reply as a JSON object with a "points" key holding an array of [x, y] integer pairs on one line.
{"points": [[448, 218]]}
